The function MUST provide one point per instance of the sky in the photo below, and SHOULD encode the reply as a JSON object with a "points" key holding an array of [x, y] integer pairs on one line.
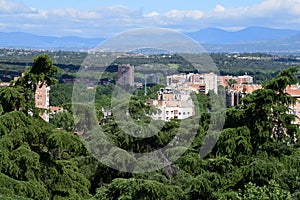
{"points": [[104, 18]]}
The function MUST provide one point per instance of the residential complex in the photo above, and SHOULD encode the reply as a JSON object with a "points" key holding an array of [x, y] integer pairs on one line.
{"points": [[199, 83], [172, 104], [174, 101]]}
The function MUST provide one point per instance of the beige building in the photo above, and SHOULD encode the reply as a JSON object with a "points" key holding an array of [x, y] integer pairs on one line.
{"points": [[42, 100], [240, 80], [245, 79]]}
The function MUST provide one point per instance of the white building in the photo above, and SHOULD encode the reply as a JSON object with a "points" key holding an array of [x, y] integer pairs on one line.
{"points": [[208, 81], [172, 105]]}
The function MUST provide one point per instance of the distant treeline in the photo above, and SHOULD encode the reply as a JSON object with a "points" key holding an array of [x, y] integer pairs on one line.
{"points": [[261, 66]]}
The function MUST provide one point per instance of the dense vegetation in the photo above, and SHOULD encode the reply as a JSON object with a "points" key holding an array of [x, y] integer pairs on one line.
{"points": [[251, 159]]}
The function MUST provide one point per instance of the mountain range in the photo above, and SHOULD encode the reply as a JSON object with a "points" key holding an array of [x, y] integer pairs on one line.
{"points": [[26, 40], [251, 39]]}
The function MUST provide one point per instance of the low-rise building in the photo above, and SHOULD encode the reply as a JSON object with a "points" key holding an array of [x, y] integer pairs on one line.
{"points": [[55, 109], [172, 105]]}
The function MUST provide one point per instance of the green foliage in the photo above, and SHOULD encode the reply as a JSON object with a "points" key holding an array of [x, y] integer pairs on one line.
{"points": [[42, 70], [63, 120], [267, 110], [234, 143], [14, 189], [138, 189], [64, 145], [61, 94], [11, 99], [38, 161], [270, 191]]}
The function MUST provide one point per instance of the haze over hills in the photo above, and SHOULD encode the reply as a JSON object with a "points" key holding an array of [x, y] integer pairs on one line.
{"points": [[250, 34], [25, 40], [251, 39]]}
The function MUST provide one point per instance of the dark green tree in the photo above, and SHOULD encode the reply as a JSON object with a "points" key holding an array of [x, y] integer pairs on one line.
{"points": [[267, 110], [11, 99], [39, 74]]}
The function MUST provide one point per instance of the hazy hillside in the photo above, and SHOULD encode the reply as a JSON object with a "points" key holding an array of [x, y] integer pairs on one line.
{"points": [[25, 40], [250, 34], [251, 39]]}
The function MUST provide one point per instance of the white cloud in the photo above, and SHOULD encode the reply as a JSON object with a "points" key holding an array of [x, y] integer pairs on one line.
{"points": [[152, 14], [105, 21], [187, 14], [14, 7], [219, 8]]}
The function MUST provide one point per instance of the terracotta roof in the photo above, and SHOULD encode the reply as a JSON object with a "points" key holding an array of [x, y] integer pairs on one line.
{"points": [[293, 90]]}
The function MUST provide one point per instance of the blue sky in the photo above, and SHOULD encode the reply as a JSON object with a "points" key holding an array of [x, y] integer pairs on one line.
{"points": [[104, 18], [146, 5]]}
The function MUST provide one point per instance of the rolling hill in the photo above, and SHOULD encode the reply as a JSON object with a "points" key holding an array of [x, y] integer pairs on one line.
{"points": [[251, 39]]}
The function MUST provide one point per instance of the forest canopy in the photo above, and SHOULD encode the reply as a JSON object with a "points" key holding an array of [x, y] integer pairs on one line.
{"points": [[251, 159]]}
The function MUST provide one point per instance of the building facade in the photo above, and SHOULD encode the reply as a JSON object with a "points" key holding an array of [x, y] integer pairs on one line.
{"points": [[199, 83], [42, 100], [126, 75], [172, 105]]}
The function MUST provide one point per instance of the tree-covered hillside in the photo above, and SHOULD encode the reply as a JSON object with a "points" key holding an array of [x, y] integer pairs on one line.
{"points": [[255, 157]]}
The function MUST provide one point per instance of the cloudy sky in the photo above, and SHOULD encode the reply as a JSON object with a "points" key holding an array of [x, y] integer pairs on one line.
{"points": [[104, 18]]}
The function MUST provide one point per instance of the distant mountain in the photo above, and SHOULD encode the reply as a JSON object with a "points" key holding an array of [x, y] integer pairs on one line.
{"points": [[288, 45], [251, 39], [250, 34], [25, 40]]}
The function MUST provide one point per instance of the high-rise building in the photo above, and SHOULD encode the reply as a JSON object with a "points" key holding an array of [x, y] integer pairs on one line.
{"points": [[211, 81], [42, 100], [126, 75]]}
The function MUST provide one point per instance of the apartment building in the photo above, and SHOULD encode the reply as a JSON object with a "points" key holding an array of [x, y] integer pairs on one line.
{"points": [[42, 100], [245, 79], [200, 83], [228, 81], [235, 93], [126, 75]]}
